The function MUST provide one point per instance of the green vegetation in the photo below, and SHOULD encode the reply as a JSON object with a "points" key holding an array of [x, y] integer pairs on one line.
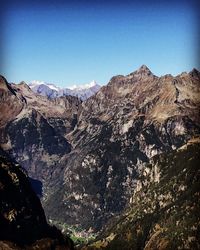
{"points": [[164, 213], [78, 235]]}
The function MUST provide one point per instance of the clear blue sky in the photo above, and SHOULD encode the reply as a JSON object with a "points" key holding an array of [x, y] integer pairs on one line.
{"points": [[79, 41]]}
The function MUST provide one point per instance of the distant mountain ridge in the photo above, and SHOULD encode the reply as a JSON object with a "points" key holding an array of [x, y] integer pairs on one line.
{"points": [[51, 91]]}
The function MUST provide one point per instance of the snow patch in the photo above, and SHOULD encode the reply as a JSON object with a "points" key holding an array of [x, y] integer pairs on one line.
{"points": [[52, 91]]}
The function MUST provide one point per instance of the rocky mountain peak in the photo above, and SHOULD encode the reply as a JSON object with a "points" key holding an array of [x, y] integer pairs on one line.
{"points": [[4, 85], [23, 88], [143, 68], [143, 71], [2, 80], [23, 83], [195, 73]]}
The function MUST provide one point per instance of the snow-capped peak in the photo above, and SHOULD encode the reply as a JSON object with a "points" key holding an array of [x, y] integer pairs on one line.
{"points": [[36, 83], [84, 86], [48, 89], [52, 86]]}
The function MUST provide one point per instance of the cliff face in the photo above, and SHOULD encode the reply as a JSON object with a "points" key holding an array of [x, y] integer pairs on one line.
{"points": [[89, 155], [163, 213], [33, 128], [10, 103], [22, 219], [119, 130]]}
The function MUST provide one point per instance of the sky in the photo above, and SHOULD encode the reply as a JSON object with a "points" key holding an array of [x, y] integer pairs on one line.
{"points": [[75, 42]]}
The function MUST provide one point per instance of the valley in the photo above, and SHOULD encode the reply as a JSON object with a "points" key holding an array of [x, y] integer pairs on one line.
{"points": [[116, 168]]}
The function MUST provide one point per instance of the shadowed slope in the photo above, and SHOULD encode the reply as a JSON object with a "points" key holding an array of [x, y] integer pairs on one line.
{"points": [[22, 219]]}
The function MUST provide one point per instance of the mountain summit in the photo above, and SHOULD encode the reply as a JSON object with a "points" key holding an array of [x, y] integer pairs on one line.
{"points": [[143, 71]]}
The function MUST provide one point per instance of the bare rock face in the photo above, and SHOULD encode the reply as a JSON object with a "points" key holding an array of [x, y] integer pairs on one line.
{"points": [[132, 119], [89, 155], [33, 128], [22, 220], [11, 104], [163, 213], [61, 112]]}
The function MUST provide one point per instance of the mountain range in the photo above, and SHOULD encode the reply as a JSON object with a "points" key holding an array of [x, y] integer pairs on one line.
{"points": [[52, 91], [110, 166]]}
